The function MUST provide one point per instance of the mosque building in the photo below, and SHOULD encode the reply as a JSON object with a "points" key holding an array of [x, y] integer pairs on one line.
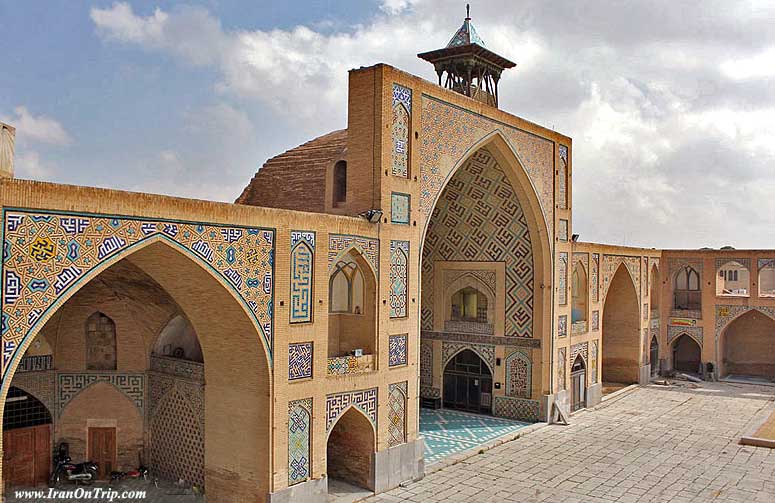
{"points": [[422, 257]]}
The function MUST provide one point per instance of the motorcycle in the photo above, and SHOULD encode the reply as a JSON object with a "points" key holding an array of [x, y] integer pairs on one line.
{"points": [[140, 473], [85, 473]]}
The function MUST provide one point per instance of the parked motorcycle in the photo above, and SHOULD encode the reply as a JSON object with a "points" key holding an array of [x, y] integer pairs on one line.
{"points": [[140, 473], [85, 472]]}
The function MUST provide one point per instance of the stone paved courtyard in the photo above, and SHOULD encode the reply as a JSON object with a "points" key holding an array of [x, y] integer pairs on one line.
{"points": [[657, 444]]}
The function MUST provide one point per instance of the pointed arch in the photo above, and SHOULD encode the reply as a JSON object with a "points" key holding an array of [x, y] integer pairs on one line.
{"points": [[350, 448], [86, 277], [621, 333], [485, 359]]}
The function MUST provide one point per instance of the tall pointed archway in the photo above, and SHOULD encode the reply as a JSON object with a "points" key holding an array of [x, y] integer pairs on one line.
{"points": [[621, 331], [486, 226], [237, 404]]}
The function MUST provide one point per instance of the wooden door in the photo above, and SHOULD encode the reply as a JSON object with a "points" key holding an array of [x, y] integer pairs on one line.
{"points": [[578, 390], [26, 456], [102, 450]]}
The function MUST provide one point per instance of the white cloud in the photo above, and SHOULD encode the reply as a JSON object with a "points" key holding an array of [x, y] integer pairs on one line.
{"points": [[672, 115], [28, 164], [39, 128]]}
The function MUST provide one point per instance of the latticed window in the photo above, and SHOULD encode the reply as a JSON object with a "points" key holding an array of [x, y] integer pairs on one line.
{"points": [[346, 288], [686, 291], [469, 304]]}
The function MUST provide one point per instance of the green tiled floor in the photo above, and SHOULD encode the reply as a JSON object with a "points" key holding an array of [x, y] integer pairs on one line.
{"points": [[448, 432]]}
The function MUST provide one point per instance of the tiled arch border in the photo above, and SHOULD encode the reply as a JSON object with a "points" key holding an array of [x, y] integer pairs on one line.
{"points": [[12, 354]]}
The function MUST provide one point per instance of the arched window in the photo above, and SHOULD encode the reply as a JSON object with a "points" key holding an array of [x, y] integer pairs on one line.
{"points": [[340, 182], [579, 293], [733, 279], [766, 278], [654, 292], [100, 343], [179, 340], [346, 287], [469, 304], [686, 291], [352, 292]]}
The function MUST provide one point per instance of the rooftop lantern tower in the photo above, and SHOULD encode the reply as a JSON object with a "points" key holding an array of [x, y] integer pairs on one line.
{"points": [[467, 67]]}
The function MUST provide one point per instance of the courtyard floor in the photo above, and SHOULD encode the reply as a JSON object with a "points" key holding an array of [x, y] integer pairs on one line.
{"points": [[658, 444], [449, 432]]}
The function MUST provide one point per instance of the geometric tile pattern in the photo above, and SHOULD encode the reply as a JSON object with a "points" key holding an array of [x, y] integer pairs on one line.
{"points": [[725, 314], [516, 408], [611, 265], [593, 362], [561, 363], [426, 362], [397, 394], [518, 375], [579, 349], [449, 131], [400, 207], [397, 350], [340, 244], [562, 325], [594, 276], [45, 255], [71, 384], [402, 106], [299, 435], [675, 331], [562, 230], [299, 360], [399, 277], [447, 432], [595, 320], [363, 400], [478, 218], [562, 279], [302, 266], [485, 351], [343, 365], [562, 182]]}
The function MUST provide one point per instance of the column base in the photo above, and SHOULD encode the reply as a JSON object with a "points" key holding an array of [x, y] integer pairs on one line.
{"points": [[594, 394], [312, 491], [398, 464], [644, 374]]}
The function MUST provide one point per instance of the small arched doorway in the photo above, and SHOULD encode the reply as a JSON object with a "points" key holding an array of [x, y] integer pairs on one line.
{"points": [[350, 451], [686, 355], [26, 440], [468, 383], [578, 376], [654, 356]]}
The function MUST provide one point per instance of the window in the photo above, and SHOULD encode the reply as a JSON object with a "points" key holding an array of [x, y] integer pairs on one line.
{"points": [[766, 278], [686, 291], [733, 279], [469, 304], [100, 343], [340, 182], [346, 288], [579, 294]]}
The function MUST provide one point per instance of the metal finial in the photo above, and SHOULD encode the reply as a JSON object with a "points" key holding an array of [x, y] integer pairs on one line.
{"points": [[468, 11]]}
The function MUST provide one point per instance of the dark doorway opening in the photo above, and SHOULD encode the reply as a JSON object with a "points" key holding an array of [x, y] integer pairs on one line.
{"points": [[578, 379], [468, 383], [686, 355], [654, 356]]}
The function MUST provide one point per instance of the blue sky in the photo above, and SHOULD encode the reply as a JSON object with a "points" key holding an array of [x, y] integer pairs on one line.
{"points": [[671, 105]]}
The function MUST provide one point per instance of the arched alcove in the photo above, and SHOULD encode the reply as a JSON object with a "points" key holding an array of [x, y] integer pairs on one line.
{"points": [[350, 449], [579, 294], [352, 306], [747, 346], [621, 330], [687, 354]]}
